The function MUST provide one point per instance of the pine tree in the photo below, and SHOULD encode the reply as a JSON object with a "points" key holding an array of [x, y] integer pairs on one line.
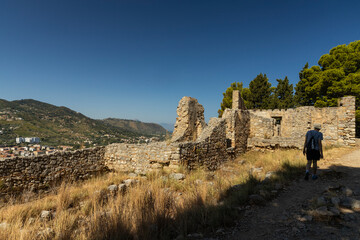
{"points": [[260, 89], [283, 97]]}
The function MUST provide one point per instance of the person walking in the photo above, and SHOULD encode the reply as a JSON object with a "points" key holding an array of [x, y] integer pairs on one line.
{"points": [[313, 150]]}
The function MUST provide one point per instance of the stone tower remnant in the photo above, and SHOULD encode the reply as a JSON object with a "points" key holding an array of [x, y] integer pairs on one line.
{"points": [[190, 121], [237, 124], [237, 101]]}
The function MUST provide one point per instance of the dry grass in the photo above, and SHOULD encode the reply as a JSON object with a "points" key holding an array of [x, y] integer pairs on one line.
{"points": [[157, 207]]}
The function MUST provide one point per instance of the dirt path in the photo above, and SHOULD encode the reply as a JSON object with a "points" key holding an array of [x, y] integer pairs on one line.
{"points": [[291, 215]]}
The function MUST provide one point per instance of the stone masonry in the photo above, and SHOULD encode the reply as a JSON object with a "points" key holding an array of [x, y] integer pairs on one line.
{"points": [[140, 158], [193, 142], [190, 121], [36, 173], [287, 127]]}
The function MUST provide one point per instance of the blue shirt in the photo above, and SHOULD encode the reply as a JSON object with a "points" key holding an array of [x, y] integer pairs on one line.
{"points": [[317, 136]]}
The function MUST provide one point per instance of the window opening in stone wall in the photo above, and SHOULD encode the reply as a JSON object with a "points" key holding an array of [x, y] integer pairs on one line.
{"points": [[277, 130], [228, 143]]}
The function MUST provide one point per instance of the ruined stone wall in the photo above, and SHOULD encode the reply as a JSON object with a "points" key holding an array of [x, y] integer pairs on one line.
{"points": [[190, 121], [210, 148], [37, 173], [140, 158], [287, 127], [237, 129], [193, 142]]}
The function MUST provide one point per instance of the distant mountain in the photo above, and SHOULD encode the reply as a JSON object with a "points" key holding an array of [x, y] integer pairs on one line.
{"points": [[60, 125], [137, 126], [168, 126]]}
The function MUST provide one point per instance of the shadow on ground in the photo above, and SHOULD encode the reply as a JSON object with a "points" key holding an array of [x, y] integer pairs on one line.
{"points": [[198, 217]]}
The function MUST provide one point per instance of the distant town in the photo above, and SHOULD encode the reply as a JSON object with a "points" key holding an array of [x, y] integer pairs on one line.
{"points": [[33, 147], [29, 151]]}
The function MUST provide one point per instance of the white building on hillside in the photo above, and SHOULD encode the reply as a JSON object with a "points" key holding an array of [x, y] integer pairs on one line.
{"points": [[27, 140]]}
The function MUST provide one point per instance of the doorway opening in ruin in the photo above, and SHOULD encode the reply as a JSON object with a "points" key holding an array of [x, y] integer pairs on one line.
{"points": [[277, 129], [228, 143]]}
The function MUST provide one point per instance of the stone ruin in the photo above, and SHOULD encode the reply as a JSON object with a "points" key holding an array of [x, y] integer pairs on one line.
{"points": [[194, 143], [222, 139], [191, 121], [268, 128], [287, 127]]}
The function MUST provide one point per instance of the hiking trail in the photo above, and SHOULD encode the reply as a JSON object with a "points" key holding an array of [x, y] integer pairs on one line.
{"points": [[326, 208]]}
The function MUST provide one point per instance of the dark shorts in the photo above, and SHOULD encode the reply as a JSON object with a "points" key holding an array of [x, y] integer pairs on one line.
{"points": [[313, 155]]}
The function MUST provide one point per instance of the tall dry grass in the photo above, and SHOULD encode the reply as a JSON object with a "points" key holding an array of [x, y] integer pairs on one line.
{"points": [[157, 207]]}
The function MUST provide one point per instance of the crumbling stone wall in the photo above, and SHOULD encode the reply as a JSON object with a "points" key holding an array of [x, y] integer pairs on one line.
{"points": [[140, 158], [287, 127], [223, 138], [36, 173], [193, 142], [190, 121], [237, 129], [209, 149]]}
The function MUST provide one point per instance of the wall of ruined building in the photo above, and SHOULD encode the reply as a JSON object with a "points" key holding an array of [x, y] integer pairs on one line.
{"points": [[140, 158], [237, 129], [208, 150], [338, 125], [193, 142], [37, 173], [190, 121]]}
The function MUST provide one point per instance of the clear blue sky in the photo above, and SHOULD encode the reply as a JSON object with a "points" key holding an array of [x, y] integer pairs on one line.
{"points": [[136, 59]]}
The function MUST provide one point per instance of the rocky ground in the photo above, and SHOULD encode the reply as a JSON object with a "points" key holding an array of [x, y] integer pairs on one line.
{"points": [[326, 208]]}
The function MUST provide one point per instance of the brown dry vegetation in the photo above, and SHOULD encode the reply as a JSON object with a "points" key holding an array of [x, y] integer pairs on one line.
{"points": [[157, 207]]}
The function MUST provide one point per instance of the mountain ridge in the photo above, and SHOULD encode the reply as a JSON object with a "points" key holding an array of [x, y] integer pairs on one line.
{"points": [[59, 125]]}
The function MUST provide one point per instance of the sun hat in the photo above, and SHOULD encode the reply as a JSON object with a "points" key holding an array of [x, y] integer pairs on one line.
{"points": [[317, 126]]}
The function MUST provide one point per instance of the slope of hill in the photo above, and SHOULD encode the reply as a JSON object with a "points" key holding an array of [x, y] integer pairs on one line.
{"points": [[137, 126], [56, 125]]}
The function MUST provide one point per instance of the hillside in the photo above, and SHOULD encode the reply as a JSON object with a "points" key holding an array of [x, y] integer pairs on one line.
{"points": [[58, 125], [137, 126]]}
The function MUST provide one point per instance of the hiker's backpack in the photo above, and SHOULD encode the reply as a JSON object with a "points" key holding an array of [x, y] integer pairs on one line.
{"points": [[310, 144]]}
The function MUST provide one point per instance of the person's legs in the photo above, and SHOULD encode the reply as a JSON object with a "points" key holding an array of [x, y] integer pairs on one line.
{"points": [[314, 176], [308, 166], [314, 166]]}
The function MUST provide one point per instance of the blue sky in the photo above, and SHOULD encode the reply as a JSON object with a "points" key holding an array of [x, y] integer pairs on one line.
{"points": [[136, 59]]}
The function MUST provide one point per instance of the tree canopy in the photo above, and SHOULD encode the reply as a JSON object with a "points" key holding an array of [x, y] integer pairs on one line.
{"points": [[260, 89], [283, 95], [337, 75]]}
